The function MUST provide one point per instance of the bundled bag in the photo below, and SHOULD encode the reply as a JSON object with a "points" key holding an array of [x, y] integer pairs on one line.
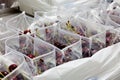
{"points": [[110, 21], [67, 45], [112, 15], [101, 66], [44, 19], [39, 55], [14, 67], [112, 37], [19, 23], [4, 34], [36, 5], [117, 37], [93, 35], [96, 14]]}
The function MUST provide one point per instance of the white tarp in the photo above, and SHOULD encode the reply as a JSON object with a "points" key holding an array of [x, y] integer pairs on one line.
{"points": [[30, 6], [104, 65]]}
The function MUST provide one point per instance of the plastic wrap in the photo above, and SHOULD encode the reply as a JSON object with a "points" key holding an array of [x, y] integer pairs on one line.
{"points": [[67, 45], [91, 34], [4, 34], [14, 67], [39, 55], [19, 23], [101, 66]]}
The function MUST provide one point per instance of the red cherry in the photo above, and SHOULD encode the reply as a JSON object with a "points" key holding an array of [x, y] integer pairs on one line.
{"points": [[12, 67], [30, 56], [108, 34], [27, 31], [5, 73]]}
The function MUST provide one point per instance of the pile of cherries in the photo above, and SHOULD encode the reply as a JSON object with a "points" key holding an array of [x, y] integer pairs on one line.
{"points": [[110, 36], [85, 48], [96, 46], [41, 66], [86, 51], [59, 57], [29, 51], [26, 47], [68, 54]]}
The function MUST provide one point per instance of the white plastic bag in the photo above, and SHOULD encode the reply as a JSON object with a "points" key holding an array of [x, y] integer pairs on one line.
{"points": [[4, 34], [114, 8], [102, 66], [13, 66], [36, 5], [19, 23], [39, 55], [92, 34], [110, 21], [67, 45]]}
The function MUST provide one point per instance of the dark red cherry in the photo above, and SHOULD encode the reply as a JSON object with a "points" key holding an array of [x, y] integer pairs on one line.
{"points": [[12, 67], [27, 31], [30, 56], [4, 73]]}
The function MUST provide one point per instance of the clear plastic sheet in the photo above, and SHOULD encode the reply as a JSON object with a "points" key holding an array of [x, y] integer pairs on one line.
{"points": [[68, 45], [19, 23], [92, 34], [39, 55], [4, 34], [13, 66]]}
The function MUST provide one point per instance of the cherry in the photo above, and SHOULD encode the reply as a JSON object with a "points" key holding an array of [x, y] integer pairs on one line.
{"points": [[30, 56], [12, 67], [59, 45], [26, 31], [4, 73]]}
